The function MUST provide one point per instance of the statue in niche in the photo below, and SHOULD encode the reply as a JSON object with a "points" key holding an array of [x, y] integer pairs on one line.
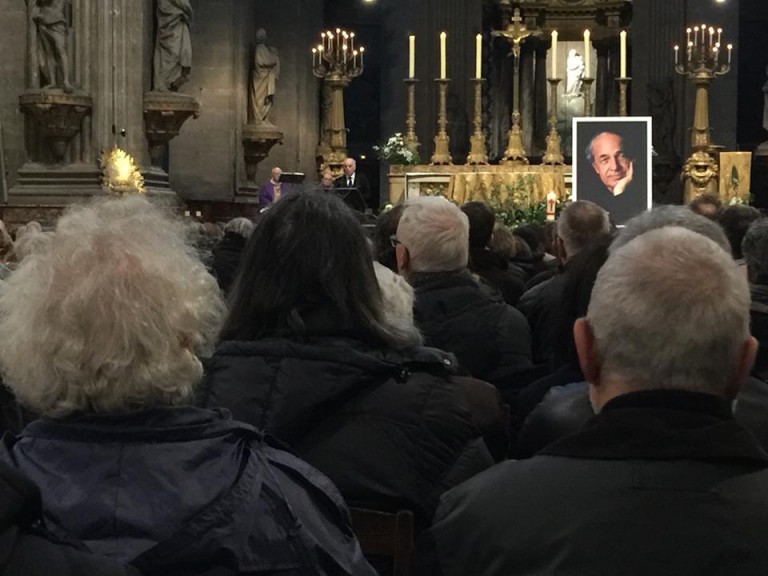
{"points": [[574, 73], [661, 103], [50, 19], [173, 45], [265, 73]]}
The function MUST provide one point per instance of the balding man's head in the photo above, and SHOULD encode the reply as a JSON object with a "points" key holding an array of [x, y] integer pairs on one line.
{"points": [[670, 309], [579, 222]]}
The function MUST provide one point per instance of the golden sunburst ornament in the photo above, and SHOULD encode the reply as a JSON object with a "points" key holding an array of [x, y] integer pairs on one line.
{"points": [[119, 173]]}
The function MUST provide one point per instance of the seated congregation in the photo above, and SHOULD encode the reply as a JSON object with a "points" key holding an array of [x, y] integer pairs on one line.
{"points": [[563, 399]]}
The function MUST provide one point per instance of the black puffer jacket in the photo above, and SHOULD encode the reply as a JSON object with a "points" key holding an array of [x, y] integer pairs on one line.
{"points": [[386, 427], [491, 339], [26, 549]]}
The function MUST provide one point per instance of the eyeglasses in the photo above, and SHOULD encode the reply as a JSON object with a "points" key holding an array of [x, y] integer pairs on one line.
{"points": [[394, 241]]}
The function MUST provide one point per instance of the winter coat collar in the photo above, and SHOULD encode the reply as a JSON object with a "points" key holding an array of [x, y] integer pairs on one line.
{"points": [[663, 425]]}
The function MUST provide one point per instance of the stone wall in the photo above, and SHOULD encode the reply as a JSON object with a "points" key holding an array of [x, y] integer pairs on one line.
{"points": [[206, 159]]}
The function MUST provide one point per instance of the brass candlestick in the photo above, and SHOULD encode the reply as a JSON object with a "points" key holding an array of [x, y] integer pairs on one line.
{"points": [[702, 65], [623, 84], [587, 84], [411, 140], [478, 153], [554, 155], [442, 153], [336, 62]]}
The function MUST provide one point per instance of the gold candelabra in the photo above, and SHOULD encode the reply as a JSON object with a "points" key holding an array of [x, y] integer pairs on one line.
{"points": [[587, 88], [702, 63], [478, 153], [442, 153], [336, 61], [515, 32], [623, 84], [411, 140], [554, 154]]}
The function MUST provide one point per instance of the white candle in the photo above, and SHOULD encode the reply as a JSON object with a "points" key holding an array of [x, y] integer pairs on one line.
{"points": [[587, 50], [730, 47], [687, 35], [314, 56], [695, 35], [703, 33], [352, 42], [553, 49], [443, 63], [711, 36], [330, 44], [623, 54], [344, 51], [479, 56], [719, 34], [677, 55], [411, 56], [354, 59], [362, 51]]}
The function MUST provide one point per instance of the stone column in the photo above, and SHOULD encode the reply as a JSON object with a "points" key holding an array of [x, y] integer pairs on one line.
{"points": [[540, 123], [527, 97]]}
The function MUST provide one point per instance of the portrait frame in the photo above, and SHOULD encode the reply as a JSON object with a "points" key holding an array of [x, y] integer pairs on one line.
{"points": [[635, 133]]}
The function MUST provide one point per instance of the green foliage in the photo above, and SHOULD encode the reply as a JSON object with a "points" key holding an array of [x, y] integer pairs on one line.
{"points": [[513, 205]]}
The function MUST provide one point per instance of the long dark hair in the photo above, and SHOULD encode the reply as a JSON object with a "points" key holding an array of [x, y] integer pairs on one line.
{"points": [[307, 254]]}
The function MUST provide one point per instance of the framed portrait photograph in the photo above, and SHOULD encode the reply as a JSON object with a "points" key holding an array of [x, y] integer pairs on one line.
{"points": [[612, 164]]}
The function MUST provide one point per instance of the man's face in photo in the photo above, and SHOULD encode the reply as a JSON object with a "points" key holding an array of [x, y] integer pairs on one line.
{"points": [[608, 159]]}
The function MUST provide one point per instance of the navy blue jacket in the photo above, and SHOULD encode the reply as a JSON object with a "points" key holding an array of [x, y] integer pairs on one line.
{"points": [[186, 491]]}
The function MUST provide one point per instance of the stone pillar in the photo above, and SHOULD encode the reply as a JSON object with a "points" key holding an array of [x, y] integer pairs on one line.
{"points": [[541, 120], [527, 97]]}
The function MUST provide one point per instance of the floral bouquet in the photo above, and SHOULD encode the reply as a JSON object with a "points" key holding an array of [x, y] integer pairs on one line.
{"points": [[396, 151]]}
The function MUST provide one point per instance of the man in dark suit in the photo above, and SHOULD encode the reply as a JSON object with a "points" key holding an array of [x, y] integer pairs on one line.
{"points": [[352, 181]]}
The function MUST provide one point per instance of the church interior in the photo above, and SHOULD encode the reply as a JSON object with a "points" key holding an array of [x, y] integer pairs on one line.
{"points": [[255, 93]]}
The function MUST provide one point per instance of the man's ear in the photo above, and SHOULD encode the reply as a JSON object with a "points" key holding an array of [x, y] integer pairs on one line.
{"points": [[585, 348], [745, 362], [403, 258]]}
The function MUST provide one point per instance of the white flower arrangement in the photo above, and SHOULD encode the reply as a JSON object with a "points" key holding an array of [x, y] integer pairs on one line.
{"points": [[396, 151]]}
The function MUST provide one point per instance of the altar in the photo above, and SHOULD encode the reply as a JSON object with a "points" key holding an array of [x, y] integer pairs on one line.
{"points": [[463, 183]]}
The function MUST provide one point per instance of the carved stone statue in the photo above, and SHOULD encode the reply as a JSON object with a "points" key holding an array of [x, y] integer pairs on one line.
{"points": [[265, 72], [50, 20], [173, 45], [574, 73]]}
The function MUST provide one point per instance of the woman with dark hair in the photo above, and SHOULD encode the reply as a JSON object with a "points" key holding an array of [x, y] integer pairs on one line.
{"points": [[311, 356]]}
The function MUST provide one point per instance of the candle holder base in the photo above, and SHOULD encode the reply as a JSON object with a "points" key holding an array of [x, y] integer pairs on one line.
{"points": [[442, 153], [411, 140], [515, 152], [554, 154], [701, 175], [623, 85], [478, 153]]}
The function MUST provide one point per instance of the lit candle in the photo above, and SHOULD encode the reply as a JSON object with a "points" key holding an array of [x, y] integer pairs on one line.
{"points": [[479, 56], [711, 36], [330, 43], [623, 53], [352, 42], [314, 56], [354, 59], [730, 47], [551, 205], [362, 51], [554, 53], [716, 51], [687, 35], [695, 35], [677, 55], [703, 33], [719, 34], [587, 50], [344, 51], [411, 56], [443, 63]]}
